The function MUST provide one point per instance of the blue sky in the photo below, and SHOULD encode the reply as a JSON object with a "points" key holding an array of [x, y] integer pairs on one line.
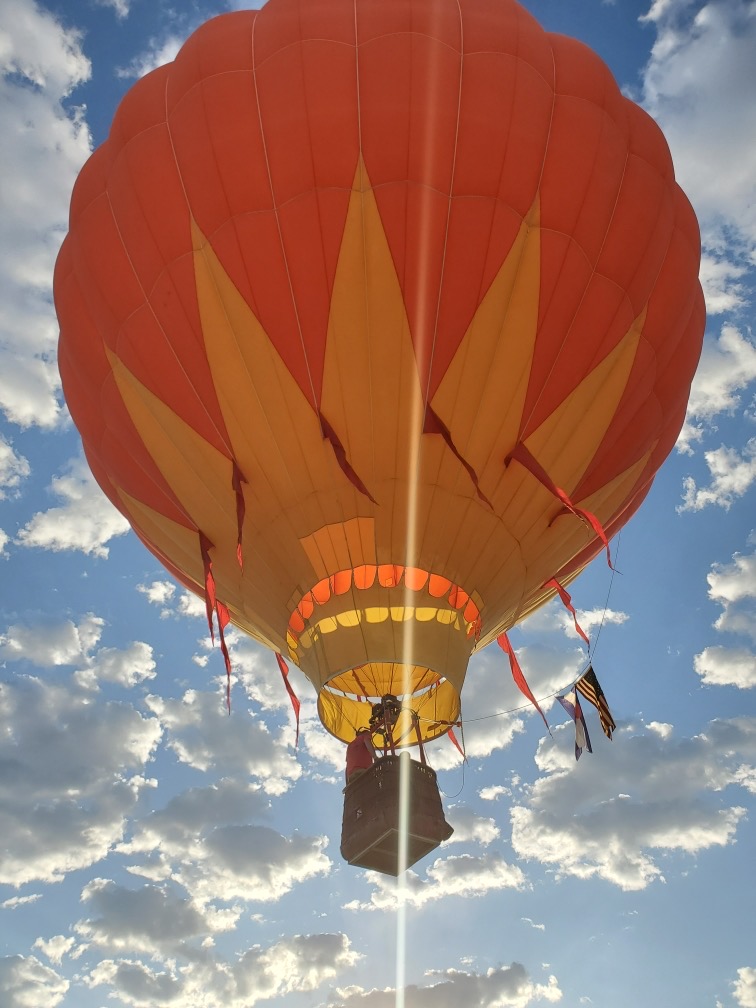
{"points": [[157, 852]]}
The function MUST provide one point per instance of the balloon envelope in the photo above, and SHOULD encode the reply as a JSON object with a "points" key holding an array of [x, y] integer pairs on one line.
{"points": [[359, 286]]}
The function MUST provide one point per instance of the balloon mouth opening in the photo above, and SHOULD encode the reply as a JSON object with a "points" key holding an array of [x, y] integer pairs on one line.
{"points": [[400, 581], [426, 707]]}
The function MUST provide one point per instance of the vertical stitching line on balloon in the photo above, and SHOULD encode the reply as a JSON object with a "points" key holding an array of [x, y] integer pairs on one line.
{"points": [[315, 399]]}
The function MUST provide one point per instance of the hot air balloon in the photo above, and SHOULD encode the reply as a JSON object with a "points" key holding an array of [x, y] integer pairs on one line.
{"points": [[377, 320]]}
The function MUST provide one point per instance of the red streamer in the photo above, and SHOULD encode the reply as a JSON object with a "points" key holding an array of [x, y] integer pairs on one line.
{"points": [[207, 564], [292, 695], [341, 457], [503, 641], [453, 739], [520, 453], [433, 424], [567, 602], [237, 478], [223, 620]]}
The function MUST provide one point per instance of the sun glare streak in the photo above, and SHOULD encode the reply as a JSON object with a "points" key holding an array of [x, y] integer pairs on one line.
{"points": [[423, 326]]}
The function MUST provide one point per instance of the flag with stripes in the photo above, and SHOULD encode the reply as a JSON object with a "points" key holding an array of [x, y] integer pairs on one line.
{"points": [[588, 686], [571, 704]]}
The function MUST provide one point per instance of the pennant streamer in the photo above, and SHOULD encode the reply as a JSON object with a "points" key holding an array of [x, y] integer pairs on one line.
{"points": [[519, 678], [292, 695], [567, 602], [453, 739], [212, 605], [236, 482], [588, 686], [341, 457], [207, 564], [520, 453], [433, 424], [223, 620], [571, 704]]}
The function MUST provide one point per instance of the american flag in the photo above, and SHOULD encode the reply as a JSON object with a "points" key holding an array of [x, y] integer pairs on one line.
{"points": [[588, 686]]}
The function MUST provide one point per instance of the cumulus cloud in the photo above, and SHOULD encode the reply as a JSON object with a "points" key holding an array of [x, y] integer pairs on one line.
{"points": [[733, 587], [158, 53], [14, 469], [85, 521], [744, 988], [25, 982], [554, 617], [152, 919], [470, 827], [723, 666], [503, 987], [461, 875], [726, 369], [159, 593], [700, 85], [73, 770], [119, 7], [45, 145], [732, 473], [295, 964], [49, 644], [251, 862], [211, 841], [52, 643], [648, 794], [17, 901], [55, 948], [202, 735]]}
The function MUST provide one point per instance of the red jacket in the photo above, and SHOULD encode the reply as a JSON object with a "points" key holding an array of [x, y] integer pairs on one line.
{"points": [[359, 755]]}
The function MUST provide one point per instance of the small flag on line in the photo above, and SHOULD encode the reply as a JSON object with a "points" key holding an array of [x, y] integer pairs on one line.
{"points": [[588, 686], [571, 704]]}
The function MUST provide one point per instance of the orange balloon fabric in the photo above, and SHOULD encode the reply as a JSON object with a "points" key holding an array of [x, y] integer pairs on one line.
{"points": [[358, 285]]}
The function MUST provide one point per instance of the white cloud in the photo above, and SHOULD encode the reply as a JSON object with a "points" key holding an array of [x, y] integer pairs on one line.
{"points": [[203, 735], [555, 617], [14, 469], [469, 826], [503, 987], [151, 920], [86, 521], [73, 772], [55, 948], [609, 817], [726, 369], [159, 593], [158, 53], [744, 988], [494, 792], [126, 667], [17, 901], [176, 829], [25, 982], [295, 964], [51, 644], [460, 875], [732, 474], [210, 841], [4, 540], [723, 666], [251, 862], [733, 586], [700, 85], [44, 147], [119, 7]]}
